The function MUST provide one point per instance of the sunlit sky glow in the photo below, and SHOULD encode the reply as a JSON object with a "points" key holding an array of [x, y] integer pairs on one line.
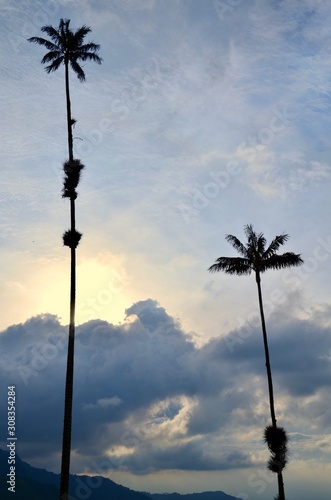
{"points": [[204, 116]]}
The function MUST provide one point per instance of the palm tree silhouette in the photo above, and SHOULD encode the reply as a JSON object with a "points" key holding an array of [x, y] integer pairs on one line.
{"points": [[257, 258], [66, 47]]}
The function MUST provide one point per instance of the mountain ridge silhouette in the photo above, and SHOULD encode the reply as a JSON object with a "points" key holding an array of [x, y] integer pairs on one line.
{"points": [[40, 484]]}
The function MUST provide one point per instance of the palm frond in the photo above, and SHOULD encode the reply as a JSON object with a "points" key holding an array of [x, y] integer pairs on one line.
{"points": [[91, 46], [81, 34], [91, 57], [42, 41], [236, 243], [64, 26], [288, 259], [231, 265], [249, 230], [260, 244], [77, 69], [275, 244], [51, 56], [55, 65], [255, 242], [52, 32], [64, 33]]}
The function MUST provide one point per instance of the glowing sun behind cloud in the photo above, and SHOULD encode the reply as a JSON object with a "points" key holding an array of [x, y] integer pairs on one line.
{"points": [[102, 288]]}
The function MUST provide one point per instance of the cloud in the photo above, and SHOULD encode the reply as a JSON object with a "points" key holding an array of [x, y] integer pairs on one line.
{"points": [[149, 399], [104, 403]]}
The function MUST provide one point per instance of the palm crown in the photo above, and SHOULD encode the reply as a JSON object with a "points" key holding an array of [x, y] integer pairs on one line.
{"points": [[255, 256], [67, 47]]}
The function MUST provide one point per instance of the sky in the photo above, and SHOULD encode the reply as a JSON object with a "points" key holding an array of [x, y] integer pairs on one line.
{"points": [[204, 116]]}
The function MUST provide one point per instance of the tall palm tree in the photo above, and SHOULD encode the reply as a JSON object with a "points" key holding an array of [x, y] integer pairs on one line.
{"points": [[66, 47], [254, 256]]}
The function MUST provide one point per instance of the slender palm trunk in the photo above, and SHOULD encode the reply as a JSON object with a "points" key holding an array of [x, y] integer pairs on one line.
{"points": [[281, 492], [67, 422], [266, 352], [69, 124]]}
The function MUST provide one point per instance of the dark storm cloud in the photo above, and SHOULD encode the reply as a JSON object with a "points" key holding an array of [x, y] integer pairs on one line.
{"points": [[144, 386], [299, 349], [194, 455], [139, 362]]}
